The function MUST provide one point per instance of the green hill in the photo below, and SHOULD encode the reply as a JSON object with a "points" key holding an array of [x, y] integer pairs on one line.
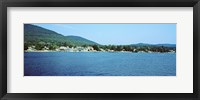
{"points": [[34, 35]]}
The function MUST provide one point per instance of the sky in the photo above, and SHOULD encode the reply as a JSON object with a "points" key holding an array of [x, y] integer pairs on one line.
{"points": [[118, 34]]}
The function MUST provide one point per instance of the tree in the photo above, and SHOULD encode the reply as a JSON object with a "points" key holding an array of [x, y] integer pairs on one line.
{"points": [[119, 48], [66, 44], [84, 45], [96, 47], [53, 47], [39, 46], [113, 47]]}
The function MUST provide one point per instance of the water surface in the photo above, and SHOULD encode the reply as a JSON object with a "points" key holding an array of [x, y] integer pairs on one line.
{"points": [[99, 64]]}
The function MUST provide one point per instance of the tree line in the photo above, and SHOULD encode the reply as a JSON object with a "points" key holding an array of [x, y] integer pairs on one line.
{"points": [[52, 46]]}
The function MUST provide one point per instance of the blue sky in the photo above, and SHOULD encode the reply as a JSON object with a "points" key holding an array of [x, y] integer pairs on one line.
{"points": [[118, 34]]}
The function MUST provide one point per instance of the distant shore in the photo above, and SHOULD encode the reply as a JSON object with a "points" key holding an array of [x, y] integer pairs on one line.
{"points": [[91, 49], [101, 49]]}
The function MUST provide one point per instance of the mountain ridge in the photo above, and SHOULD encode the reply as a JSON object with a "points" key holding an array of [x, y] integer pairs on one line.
{"points": [[147, 44], [33, 33]]}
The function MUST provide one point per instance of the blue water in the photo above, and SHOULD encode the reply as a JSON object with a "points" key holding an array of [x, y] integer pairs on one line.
{"points": [[99, 64]]}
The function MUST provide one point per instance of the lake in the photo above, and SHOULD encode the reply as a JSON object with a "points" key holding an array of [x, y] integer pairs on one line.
{"points": [[99, 64]]}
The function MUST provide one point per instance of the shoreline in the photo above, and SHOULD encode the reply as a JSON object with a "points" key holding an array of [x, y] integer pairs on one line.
{"points": [[96, 52], [112, 49]]}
